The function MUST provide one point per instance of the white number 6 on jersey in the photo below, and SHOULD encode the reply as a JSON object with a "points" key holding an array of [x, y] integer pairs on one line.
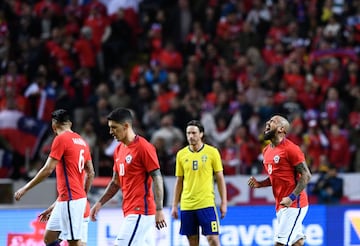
{"points": [[81, 162]]}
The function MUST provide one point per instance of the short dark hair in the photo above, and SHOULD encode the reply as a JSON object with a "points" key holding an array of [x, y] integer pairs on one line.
{"points": [[60, 115], [197, 124], [120, 115]]}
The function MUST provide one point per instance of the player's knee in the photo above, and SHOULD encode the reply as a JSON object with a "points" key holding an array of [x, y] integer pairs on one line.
{"points": [[300, 242], [54, 243], [213, 240], [75, 243], [193, 240]]}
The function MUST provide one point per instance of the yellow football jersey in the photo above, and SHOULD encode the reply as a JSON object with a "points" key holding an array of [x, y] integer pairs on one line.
{"points": [[198, 170]]}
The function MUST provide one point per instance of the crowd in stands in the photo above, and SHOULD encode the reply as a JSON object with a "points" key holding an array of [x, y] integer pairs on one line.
{"points": [[230, 63]]}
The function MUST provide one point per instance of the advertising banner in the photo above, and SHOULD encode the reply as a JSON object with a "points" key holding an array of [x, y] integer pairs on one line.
{"points": [[243, 225]]}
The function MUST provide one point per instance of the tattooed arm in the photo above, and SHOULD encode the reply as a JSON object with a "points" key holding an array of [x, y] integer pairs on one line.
{"points": [[158, 188], [303, 169], [159, 196], [305, 177]]}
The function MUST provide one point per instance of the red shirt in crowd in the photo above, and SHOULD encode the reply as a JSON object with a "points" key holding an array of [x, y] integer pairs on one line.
{"points": [[86, 54], [339, 154], [98, 23]]}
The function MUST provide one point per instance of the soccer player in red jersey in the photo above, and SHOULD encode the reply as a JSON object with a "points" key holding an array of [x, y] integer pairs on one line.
{"points": [[288, 174], [136, 168], [71, 157]]}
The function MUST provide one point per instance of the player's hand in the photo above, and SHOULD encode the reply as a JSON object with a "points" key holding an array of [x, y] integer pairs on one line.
{"points": [[19, 193], [160, 220], [253, 183], [94, 211], [286, 201], [174, 213], [223, 209], [44, 215]]}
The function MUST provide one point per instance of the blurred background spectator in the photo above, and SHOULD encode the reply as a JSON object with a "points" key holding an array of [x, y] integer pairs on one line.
{"points": [[329, 187], [230, 64]]}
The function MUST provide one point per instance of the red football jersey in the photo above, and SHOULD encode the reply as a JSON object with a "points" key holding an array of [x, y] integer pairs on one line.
{"points": [[279, 163], [72, 152], [133, 164]]}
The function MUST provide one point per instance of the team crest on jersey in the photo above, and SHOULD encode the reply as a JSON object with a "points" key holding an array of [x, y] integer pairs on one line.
{"points": [[128, 159], [204, 158], [276, 159]]}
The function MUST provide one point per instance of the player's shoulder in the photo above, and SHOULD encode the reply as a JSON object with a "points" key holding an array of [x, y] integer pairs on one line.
{"points": [[210, 148], [184, 150], [142, 141], [290, 144], [64, 137]]}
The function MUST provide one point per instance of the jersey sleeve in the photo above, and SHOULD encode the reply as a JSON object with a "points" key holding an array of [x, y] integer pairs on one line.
{"points": [[57, 148], [179, 171], [115, 167], [217, 165], [88, 154], [150, 158], [295, 155]]}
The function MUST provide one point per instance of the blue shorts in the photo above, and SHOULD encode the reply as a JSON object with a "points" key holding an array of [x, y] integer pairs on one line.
{"points": [[206, 218]]}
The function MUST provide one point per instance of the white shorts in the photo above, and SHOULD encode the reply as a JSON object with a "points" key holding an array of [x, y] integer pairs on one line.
{"points": [[289, 228], [137, 230], [67, 217], [85, 228]]}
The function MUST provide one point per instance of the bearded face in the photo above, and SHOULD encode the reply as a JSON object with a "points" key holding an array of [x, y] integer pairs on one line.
{"points": [[269, 134]]}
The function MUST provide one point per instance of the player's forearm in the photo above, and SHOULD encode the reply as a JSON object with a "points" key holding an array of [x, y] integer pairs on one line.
{"points": [[40, 176], [110, 191], [51, 207], [221, 187], [265, 183], [158, 191], [177, 193], [90, 174], [300, 186], [88, 183], [304, 178]]}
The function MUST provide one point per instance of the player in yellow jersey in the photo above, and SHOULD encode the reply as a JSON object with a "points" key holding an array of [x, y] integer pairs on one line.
{"points": [[196, 166]]}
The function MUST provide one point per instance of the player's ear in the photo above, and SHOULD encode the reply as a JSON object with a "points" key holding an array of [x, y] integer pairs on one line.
{"points": [[283, 129], [126, 125]]}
